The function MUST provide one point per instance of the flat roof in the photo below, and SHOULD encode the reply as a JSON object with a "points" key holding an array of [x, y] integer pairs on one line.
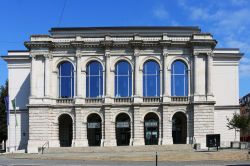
{"points": [[195, 28], [125, 30]]}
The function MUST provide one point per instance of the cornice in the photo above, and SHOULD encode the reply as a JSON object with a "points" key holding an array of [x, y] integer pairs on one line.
{"points": [[164, 43], [106, 43], [135, 43], [222, 107], [35, 44], [210, 43], [111, 43]]}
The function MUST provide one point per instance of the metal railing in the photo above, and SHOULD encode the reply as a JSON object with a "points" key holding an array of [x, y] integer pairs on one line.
{"points": [[46, 144]]}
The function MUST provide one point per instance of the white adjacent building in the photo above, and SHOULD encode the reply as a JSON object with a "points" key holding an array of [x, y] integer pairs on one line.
{"points": [[112, 86]]}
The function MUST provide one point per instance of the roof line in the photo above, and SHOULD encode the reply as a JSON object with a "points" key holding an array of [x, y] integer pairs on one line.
{"points": [[18, 50], [128, 28], [227, 49]]}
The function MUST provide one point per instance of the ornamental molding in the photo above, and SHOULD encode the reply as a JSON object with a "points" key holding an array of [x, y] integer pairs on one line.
{"points": [[106, 43], [208, 43], [77, 44], [48, 56], [135, 43], [35, 44], [150, 42]]}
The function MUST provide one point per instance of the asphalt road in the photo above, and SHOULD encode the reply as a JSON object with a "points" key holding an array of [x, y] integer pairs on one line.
{"points": [[4, 161]]}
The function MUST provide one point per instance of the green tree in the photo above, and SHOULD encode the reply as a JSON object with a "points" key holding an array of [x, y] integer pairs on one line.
{"points": [[3, 119], [238, 122]]}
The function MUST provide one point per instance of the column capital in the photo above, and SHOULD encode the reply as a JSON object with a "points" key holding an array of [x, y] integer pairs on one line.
{"points": [[136, 52], [107, 52], [165, 52], [78, 55], [210, 54], [196, 53], [33, 56], [47, 56]]}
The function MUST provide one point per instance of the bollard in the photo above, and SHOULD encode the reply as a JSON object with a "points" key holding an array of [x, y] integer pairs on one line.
{"points": [[156, 159]]}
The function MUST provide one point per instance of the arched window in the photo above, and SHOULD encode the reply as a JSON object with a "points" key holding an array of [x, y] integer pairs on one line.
{"points": [[94, 81], [179, 79], [151, 79], [123, 79], [66, 80]]}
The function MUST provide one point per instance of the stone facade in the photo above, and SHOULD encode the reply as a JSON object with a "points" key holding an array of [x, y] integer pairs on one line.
{"points": [[207, 97]]}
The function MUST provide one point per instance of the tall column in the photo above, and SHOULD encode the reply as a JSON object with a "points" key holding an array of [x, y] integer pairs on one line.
{"points": [[83, 85], [138, 128], [131, 133], [47, 72], [209, 75], [107, 78], [196, 73], [166, 78], [166, 126], [110, 139], [80, 138], [136, 55], [32, 79], [137, 77], [78, 76]]}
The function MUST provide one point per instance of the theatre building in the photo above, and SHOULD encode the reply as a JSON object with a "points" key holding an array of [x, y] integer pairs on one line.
{"points": [[121, 86]]}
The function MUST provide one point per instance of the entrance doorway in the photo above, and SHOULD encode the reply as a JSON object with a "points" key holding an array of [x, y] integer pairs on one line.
{"points": [[94, 129], [179, 128], [123, 129], [65, 130], [151, 129]]}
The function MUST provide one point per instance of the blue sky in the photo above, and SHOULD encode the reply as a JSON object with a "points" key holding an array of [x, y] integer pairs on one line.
{"points": [[227, 20]]}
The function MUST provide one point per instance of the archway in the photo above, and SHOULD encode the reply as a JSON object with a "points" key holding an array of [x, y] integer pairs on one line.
{"points": [[65, 130], [151, 129], [94, 129], [179, 128], [123, 129]]}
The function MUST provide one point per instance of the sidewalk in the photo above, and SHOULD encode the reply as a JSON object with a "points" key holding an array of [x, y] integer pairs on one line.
{"points": [[225, 155]]}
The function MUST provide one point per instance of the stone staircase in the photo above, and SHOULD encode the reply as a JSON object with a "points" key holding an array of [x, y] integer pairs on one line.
{"points": [[115, 149]]}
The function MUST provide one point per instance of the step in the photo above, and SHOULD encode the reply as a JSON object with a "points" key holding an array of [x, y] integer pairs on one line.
{"points": [[114, 149]]}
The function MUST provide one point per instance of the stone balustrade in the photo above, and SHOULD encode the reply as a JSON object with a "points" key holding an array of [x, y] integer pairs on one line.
{"points": [[123, 99], [94, 100], [65, 101], [151, 99], [180, 99]]}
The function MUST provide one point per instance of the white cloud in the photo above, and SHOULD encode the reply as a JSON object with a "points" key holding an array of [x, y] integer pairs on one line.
{"points": [[236, 43], [245, 67], [239, 2], [160, 12]]}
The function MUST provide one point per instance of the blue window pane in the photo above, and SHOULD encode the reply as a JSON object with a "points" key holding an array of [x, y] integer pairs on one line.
{"points": [[66, 69], [94, 80], [179, 79], [179, 67], [123, 79], [151, 79], [123, 68], [66, 80]]}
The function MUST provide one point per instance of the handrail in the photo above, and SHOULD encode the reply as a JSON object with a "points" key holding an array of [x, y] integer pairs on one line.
{"points": [[194, 140], [44, 146]]}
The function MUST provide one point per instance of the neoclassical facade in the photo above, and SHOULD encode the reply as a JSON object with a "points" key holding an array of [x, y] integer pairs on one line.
{"points": [[122, 86]]}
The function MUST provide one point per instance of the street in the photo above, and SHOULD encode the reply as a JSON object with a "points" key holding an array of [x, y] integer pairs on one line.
{"points": [[5, 161]]}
